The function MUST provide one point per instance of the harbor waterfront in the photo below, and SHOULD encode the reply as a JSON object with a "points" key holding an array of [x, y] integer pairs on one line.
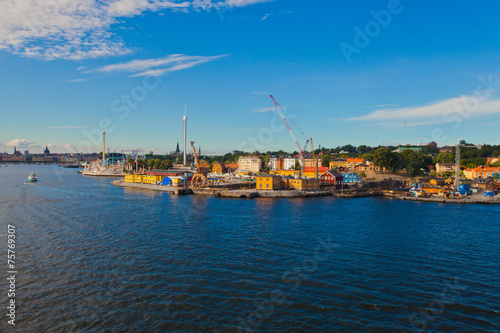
{"points": [[96, 257]]}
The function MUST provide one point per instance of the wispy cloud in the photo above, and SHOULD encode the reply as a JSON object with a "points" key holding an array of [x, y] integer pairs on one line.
{"points": [[263, 110], [260, 93], [266, 16], [81, 68], [159, 66], [68, 127], [433, 113], [77, 80], [81, 29], [21, 143]]}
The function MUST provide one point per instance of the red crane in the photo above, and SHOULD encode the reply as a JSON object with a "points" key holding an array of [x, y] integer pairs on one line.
{"points": [[278, 107]]}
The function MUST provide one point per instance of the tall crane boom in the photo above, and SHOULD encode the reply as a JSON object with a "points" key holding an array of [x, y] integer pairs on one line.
{"points": [[278, 107]]}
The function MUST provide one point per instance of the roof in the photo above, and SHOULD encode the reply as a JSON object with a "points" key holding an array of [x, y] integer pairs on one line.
{"points": [[267, 175], [482, 180], [334, 173], [311, 169]]}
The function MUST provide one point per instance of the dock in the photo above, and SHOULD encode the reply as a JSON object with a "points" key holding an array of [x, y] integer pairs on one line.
{"points": [[224, 192]]}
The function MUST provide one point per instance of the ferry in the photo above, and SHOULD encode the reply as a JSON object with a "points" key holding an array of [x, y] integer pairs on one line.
{"points": [[32, 177]]}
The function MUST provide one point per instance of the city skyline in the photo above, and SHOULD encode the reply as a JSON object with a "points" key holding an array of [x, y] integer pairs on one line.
{"points": [[346, 73]]}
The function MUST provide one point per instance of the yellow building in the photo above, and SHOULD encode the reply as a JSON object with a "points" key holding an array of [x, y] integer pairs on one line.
{"points": [[338, 162], [309, 162], [303, 184], [138, 178], [268, 182]]}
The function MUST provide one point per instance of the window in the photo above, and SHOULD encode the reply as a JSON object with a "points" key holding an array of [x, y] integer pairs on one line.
{"points": [[267, 185]]}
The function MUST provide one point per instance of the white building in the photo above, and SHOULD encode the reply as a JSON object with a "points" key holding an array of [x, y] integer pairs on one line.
{"points": [[273, 163], [250, 163]]}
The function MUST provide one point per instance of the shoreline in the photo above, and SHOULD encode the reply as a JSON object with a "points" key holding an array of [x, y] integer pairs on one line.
{"points": [[253, 193], [242, 193]]}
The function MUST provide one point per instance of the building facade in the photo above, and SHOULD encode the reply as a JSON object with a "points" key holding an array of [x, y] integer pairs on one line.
{"points": [[268, 182], [309, 162], [445, 167], [333, 177], [250, 163], [218, 167]]}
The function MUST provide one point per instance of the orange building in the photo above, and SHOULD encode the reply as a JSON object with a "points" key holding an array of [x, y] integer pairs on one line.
{"points": [[231, 167], [353, 162], [481, 172], [218, 167]]}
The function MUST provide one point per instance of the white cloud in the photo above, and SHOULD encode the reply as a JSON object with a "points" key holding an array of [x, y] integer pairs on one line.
{"points": [[268, 109], [77, 80], [159, 66], [266, 16], [21, 143], [81, 68], [81, 29], [68, 127], [437, 112]]}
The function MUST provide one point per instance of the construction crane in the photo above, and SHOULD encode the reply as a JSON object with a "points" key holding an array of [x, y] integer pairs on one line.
{"points": [[280, 111], [278, 107], [314, 160], [457, 163], [200, 177]]}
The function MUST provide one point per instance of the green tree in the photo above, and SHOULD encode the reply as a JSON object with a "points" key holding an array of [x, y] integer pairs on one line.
{"points": [[325, 160], [151, 163], [383, 158], [416, 163], [445, 158], [368, 157], [495, 177], [362, 149]]}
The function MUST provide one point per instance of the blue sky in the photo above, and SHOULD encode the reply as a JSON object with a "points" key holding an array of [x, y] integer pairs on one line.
{"points": [[354, 72]]}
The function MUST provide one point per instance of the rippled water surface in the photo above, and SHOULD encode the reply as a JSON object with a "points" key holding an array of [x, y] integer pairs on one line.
{"points": [[93, 257]]}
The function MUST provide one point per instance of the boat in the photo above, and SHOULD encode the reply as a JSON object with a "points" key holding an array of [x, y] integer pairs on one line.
{"points": [[32, 178]]}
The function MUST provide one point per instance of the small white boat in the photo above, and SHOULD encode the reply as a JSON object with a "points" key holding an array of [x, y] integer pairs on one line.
{"points": [[32, 178]]}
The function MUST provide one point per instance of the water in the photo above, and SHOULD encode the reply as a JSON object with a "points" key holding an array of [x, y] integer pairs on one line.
{"points": [[93, 257]]}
